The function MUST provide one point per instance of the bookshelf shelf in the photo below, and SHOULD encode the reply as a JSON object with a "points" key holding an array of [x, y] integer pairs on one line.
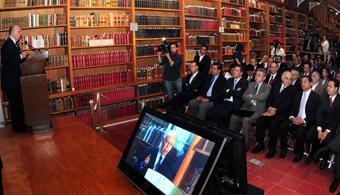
{"points": [[240, 29], [158, 39], [97, 27], [103, 46], [198, 30], [100, 8], [161, 25], [62, 111], [37, 27], [60, 94], [232, 4], [33, 7], [233, 41], [200, 16], [101, 66], [148, 81], [57, 67], [151, 95], [258, 9], [156, 9], [200, 45], [230, 16], [47, 48]]}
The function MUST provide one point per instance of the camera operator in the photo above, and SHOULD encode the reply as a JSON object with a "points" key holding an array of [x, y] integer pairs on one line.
{"points": [[172, 63], [277, 50]]}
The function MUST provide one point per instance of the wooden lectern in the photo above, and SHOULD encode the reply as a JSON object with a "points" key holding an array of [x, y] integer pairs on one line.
{"points": [[34, 92]]}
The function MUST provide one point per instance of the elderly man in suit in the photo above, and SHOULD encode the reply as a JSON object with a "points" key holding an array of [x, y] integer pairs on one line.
{"points": [[295, 76], [317, 83], [11, 59], [255, 98], [274, 76], [160, 159], [279, 105], [203, 60], [212, 92], [192, 87], [232, 99]]}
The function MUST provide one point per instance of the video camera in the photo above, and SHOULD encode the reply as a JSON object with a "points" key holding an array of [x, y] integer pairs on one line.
{"points": [[164, 47]]}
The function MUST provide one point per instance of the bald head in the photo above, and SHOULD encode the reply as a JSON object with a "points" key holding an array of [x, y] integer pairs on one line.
{"points": [[15, 32], [168, 142], [287, 78]]}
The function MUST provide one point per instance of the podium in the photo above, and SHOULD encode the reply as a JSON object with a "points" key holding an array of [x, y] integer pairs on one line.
{"points": [[34, 93]]}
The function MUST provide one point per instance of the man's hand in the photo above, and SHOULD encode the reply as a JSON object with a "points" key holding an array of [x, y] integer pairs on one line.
{"points": [[199, 98], [204, 100], [320, 134], [24, 54], [298, 121], [167, 55]]}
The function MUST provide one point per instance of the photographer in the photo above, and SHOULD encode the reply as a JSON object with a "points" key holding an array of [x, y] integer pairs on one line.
{"points": [[172, 63], [277, 50]]}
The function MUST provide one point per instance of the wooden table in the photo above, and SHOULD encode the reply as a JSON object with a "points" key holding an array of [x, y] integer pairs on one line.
{"points": [[70, 160]]}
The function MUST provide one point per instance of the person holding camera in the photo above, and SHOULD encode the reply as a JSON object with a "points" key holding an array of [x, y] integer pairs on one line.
{"points": [[277, 50], [172, 63]]}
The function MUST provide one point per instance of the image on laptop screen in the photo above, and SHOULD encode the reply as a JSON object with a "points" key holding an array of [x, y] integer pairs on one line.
{"points": [[169, 157]]}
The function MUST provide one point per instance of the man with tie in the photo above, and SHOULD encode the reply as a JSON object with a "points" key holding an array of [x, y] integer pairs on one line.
{"points": [[274, 76], [306, 69], [11, 59], [327, 122], [296, 81], [160, 159], [192, 87], [302, 116], [255, 98], [317, 83], [212, 92], [231, 101], [203, 60], [279, 105], [250, 73]]}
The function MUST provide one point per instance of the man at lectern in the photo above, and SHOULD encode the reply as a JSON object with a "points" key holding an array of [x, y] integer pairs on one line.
{"points": [[11, 58]]}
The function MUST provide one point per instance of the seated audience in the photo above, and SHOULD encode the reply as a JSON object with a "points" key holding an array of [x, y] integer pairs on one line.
{"points": [[279, 105], [306, 69], [250, 73], [191, 89], [264, 62], [211, 93], [231, 101], [317, 83], [255, 98], [273, 77], [296, 80], [326, 74]]}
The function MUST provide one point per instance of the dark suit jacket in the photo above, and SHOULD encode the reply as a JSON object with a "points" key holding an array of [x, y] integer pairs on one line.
{"points": [[217, 90], [282, 101], [311, 108], [204, 65], [10, 60], [196, 84], [326, 118], [277, 79], [166, 168], [237, 93], [297, 85], [283, 67]]}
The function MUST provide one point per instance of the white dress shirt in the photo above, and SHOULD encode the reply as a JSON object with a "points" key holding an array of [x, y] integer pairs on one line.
{"points": [[192, 77]]}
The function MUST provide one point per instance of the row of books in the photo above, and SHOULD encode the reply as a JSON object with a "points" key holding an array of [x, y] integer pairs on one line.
{"points": [[162, 4], [44, 41], [24, 3], [201, 39], [233, 24], [290, 31], [102, 79], [231, 11], [152, 102], [158, 32], [60, 104], [289, 23], [276, 28], [101, 58], [150, 72], [201, 24], [239, 2], [228, 49], [100, 3], [34, 20], [97, 19], [257, 17], [257, 32], [257, 4], [57, 61], [275, 9], [117, 38], [276, 19], [191, 53], [147, 50], [149, 88], [143, 19], [58, 85], [201, 10], [257, 44], [234, 36]]}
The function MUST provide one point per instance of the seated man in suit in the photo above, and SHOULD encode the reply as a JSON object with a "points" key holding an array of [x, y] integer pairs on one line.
{"points": [[295, 76], [281, 65], [232, 99], [302, 116], [255, 98], [317, 83], [250, 73], [264, 62], [306, 69], [203, 60], [192, 87], [211, 93], [274, 76], [160, 159], [327, 121], [279, 105]]}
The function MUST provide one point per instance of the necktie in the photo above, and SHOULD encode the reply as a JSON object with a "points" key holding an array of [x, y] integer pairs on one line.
{"points": [[282, 88], [271, 80], [302, 106], [158, 163], [330, 103], [256, 89], [211, 86], [235, 82]]}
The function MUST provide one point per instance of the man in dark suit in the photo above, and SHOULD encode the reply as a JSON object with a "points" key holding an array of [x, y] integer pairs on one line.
{"points": [[250, 73], [203, 60], [279, 105], [160, 159], [296, 81], [328, 119], [212, 92], [255, 98], [192, 87], [281, 65], [11, 59], [274, 76], [306, 69], [302, 116], [231, 101]]}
